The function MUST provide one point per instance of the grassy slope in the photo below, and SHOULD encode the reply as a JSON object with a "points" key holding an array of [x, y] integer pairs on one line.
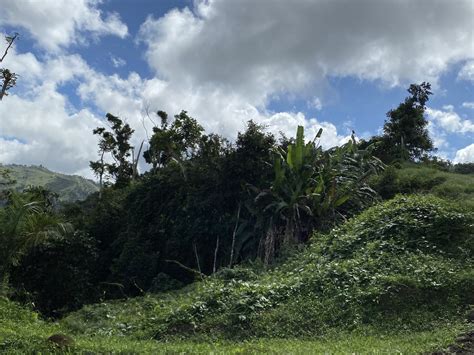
{"points": [[459, 187], [415, 178], [69, 187], [21, 331]]}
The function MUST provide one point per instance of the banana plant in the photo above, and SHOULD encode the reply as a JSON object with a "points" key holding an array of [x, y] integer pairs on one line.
{"points": [[312, 188]]}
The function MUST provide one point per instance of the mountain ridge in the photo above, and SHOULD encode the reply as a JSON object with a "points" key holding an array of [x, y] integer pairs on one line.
{"points": [[70, 188]]}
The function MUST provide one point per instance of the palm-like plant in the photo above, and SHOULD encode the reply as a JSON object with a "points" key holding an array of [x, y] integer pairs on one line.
{"points": [[313, 188], [25, 221]]}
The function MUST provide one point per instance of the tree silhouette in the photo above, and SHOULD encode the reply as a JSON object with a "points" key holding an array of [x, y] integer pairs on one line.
{"points": [[7, 77]]}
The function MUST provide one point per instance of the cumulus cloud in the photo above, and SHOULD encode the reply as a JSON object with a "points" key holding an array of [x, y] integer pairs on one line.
{"points": [[465, 155], [467, 71], [217, 111], [468, 105], [449, 121], [258, 48], [42, 131], [56, 24], [232, 58], [222, 61]]}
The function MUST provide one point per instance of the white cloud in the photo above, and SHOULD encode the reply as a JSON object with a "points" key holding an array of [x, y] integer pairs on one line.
{"points": [[117, 62], [258, 49], [315, 103], [467, 71], [438, 136], [56, 24], [468, 105], [217, 111], [465, 155], [450, 121], [225, 60], [45, 133], [222, 61]]}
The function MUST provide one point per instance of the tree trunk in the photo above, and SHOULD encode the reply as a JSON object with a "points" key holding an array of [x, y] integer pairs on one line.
{"points": [[269, 245], [197, 258], [234, 235], [214, 268]]}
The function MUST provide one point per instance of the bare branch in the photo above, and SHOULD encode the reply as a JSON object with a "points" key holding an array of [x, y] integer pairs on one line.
{"points": [[191, 270], [10, 41]]}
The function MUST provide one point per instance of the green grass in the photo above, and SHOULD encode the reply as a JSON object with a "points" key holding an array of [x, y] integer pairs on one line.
{"points": [[21, 331], [416, 178], [341, 343]]}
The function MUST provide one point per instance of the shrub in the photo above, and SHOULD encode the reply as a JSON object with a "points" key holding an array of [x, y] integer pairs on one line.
{"points": [[58, 275], [404, 262]]}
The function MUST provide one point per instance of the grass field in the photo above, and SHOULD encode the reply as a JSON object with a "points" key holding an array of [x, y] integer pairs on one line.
{"points": [[21, 331]]}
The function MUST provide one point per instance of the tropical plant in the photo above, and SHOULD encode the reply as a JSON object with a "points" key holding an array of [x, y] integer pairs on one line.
{"points": [[312, 188], [26, 220]]}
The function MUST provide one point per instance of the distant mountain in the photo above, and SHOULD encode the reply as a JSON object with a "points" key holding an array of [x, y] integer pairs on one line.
{"points": [[69, 187]]}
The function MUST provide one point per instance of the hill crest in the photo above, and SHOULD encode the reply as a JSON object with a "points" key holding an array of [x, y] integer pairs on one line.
{"points": [[69, 187]]}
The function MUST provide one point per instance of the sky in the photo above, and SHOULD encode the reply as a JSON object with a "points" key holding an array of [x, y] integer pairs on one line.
{"points": [[339, 65]]}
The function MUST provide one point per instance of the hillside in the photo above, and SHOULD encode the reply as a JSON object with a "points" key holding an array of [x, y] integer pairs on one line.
{"points": [[395, 278], [69, 187]]}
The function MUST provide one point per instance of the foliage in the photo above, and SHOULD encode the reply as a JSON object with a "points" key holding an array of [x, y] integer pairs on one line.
{"points": [[116, 143], [173, 142], [398, 272], [22, 331], [405, 134], [196, 215], [437, 163], [174, 223], [26, 220], [405, 128], [58, 275], [464, 168], [419, 178], [313, 188], [404, 262]]}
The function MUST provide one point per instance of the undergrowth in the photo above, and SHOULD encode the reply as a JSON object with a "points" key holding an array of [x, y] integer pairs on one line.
{"points": [[400, 269], [404, 262]]}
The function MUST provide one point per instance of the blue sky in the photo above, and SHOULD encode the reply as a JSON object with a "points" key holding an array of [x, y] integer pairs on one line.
{"points": [[339, 65]]}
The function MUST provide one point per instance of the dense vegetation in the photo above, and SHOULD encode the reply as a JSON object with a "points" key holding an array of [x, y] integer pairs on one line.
{"points": [[258, 239]]}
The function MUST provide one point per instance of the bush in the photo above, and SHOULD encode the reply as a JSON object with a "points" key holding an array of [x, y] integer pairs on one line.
{"points": [[406, 223], [163, 282], [58, 276], [464, 168], [403, 262]]}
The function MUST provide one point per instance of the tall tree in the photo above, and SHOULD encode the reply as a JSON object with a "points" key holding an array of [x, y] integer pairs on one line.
{"points": [[116, 143], [7, 77], [173, 142], [405, 129]]}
